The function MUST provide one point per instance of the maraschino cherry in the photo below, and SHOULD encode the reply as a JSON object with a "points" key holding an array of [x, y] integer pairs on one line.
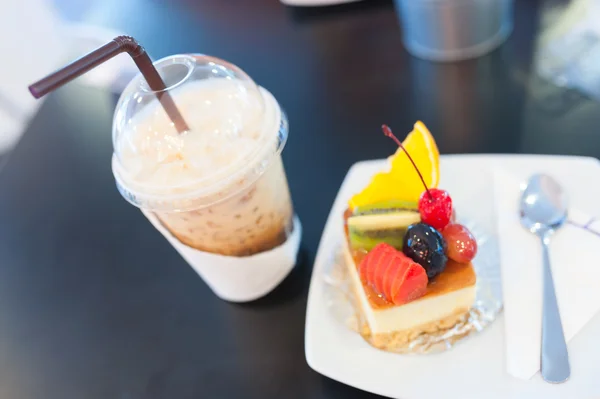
{"points": [[435, 205], [435, 208]]}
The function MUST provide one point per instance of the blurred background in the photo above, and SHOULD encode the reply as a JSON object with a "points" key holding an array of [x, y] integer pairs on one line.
{"points": [[550, 61]]}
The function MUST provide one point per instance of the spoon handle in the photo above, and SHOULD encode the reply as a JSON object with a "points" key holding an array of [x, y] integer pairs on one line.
{"points": [[555, 358]]}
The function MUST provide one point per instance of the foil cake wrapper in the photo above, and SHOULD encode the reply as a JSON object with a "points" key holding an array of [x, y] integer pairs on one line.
{"points": [[344, 306]]}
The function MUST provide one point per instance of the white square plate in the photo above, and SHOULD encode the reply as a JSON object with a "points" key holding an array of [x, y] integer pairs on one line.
{"points": [[475, 367]]}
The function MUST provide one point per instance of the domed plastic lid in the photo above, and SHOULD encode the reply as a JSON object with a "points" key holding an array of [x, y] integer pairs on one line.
{"points": [[235, 129]]}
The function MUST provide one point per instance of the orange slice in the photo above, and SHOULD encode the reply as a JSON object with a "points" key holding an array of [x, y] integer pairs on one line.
{"points": [[402, 181]]}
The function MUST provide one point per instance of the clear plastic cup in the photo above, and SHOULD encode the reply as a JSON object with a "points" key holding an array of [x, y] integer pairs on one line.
{"points": [[219, 187]]}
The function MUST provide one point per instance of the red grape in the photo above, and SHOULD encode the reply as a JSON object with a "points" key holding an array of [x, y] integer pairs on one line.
{"points": [[462, 246]]}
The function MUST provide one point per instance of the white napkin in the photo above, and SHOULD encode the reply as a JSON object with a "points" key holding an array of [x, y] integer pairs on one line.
{"points": [[239, 279], [574, 255]]}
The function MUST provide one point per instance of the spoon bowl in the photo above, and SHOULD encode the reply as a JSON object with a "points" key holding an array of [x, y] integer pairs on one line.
{"points": [[543, 205]]}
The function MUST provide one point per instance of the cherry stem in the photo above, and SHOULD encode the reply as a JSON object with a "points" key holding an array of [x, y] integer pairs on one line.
{"points": [[388, 132]]}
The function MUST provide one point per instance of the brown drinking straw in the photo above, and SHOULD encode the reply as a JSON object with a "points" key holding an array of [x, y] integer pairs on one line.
{"points": [[117, 46]]}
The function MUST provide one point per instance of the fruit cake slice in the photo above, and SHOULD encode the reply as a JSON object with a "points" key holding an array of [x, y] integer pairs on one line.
{"points": [[409, 263], [438, 305]]}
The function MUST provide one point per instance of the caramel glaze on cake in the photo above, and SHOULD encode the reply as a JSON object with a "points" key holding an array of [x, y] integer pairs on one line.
{"points": [[455, 276]]}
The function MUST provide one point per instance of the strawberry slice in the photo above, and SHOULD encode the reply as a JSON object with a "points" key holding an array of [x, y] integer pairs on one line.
{"points": [[409, 283], [398, 268], [364, 269], [372, 261], [393, 274], [386, 261], [416, 281], [369, 263], [383, 259]]}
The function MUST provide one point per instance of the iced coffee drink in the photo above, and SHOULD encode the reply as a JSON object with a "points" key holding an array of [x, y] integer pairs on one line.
{"points": [[219, 187]]}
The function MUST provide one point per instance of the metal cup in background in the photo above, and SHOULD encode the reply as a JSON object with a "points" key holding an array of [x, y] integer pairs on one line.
{"points": [[452, 30]]}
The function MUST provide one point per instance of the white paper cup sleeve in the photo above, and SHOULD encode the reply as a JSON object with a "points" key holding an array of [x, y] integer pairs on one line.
{"points": [[239, 279]]}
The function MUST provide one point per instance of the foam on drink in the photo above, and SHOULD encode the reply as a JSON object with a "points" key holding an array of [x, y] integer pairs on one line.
{"points": [[227, 130]]}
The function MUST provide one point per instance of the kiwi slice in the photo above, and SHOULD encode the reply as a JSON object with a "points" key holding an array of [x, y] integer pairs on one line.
{"points": [[359, 240], [386, 207], [383, 222]]}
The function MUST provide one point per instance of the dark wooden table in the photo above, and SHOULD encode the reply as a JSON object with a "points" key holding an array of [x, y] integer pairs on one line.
{"points": [[95, 304]]}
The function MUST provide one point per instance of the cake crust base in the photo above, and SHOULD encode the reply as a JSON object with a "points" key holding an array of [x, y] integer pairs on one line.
{"points": [[401, 339]]}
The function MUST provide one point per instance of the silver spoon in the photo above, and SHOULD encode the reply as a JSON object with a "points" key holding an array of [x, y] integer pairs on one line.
{"points": [[543, 211]]}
